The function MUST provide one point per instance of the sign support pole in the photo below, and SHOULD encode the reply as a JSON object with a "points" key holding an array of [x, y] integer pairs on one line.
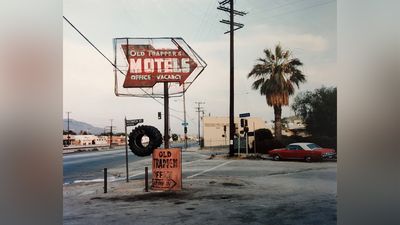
{"points": [[184, 117], [255, 141], [126, 151], [166, 116], [238, 143], [247, 144]]}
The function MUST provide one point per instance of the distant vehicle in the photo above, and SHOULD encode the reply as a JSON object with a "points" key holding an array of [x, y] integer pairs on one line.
{"points": [[302, 150]]}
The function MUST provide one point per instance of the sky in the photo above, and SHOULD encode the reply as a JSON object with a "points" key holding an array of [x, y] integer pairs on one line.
{"points": [[306, 27]]}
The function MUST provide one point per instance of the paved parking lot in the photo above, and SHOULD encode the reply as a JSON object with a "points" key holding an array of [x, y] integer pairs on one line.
{"points": [[216, 191]]}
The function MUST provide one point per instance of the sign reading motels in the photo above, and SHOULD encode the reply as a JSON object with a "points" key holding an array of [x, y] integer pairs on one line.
{"points": [[167, 169], [148, 65]]}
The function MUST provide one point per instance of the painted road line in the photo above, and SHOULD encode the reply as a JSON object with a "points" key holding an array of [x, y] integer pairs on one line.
{"points": [[187, 163], [124, 178], [141, 173], [207, 170]]}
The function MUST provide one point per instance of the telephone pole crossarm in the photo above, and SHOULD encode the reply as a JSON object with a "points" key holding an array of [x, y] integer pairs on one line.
{"points": [[232, 27]]}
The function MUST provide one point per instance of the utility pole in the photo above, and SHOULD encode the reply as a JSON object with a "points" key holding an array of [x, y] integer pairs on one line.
{"points": [[202, 119], [68, 137], [111, 127], [166, 116], [232, 24], [184, 117], [198, 110]]}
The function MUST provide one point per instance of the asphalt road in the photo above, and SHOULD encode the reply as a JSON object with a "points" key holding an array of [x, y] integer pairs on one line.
{"points": [[215, 191], [86, 166]]}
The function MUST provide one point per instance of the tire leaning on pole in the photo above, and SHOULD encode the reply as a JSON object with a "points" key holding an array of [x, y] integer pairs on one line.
{"points": [[135, 140]]}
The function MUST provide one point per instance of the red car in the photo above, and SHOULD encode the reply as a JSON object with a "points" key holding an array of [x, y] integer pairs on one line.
{"points": [[307, 151]]}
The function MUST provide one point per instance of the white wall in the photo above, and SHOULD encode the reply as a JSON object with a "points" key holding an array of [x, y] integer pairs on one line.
{"points": [[213, 129]]}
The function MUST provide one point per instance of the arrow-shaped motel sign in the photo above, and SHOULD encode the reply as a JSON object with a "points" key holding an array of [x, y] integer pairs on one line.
{"points": [[148, 65]]}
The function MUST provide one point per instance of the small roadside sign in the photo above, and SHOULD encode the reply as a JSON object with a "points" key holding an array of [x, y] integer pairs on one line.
{"points": [[167, 169], [133, 122], [241, 115], [185, 124]]}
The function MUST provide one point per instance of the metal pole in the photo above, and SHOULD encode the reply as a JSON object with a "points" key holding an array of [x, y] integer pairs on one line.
{"points": [[105, 180], [202, 119], [198, 123], [166, 116], [126, 152], [238, 142], [255, 143], [225, 136], [231, 84], [198, 119], [146, 179], [68, 137], [247, 148], [111, 134], [184, 117]]}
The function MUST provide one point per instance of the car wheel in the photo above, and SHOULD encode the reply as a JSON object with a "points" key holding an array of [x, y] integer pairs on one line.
{"points": [[308, 159], [276, 158]]}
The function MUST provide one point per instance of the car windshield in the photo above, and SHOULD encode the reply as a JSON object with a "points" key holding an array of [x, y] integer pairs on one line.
{"points": [[313, 146]]}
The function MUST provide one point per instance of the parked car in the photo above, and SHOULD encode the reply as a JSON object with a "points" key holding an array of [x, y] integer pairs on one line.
{"points": [[302, 150]]}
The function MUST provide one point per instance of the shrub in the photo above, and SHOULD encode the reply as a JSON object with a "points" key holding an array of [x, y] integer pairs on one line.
{"points": [[263, 134]]}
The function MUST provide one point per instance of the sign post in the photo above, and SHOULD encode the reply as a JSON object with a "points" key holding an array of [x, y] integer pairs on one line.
{"points": [[167, 169], [255, 141], [127, 124], [126, 152], [247, 144], [166, 116], [238, 143], [243, 123], [146, 63]]}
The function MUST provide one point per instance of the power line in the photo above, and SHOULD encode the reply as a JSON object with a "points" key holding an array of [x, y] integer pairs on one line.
{"points": [[101, 53], [265, 10], [297, 10], [91, 44], [232, 25]]}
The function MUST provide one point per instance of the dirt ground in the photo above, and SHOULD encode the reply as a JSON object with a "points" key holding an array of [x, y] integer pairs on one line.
{"points": [[216, 191]]}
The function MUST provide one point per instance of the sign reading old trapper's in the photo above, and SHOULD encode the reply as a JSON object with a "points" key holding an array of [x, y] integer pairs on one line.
{"points": [[148, 65], [167, 169]]}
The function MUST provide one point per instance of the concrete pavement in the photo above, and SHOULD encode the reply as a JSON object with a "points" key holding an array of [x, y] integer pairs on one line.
{"points": [[216, 191]]}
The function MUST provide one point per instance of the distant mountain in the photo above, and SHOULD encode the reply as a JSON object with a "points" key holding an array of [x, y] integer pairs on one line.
{"points": [[78, 126]]}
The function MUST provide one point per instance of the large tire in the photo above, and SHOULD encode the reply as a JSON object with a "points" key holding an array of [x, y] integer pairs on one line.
{"points": [[135, 140]]}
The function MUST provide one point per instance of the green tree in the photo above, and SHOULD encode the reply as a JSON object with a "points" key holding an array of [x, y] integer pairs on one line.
{"points": [[275, 77], [65, 132], [318, 109]]}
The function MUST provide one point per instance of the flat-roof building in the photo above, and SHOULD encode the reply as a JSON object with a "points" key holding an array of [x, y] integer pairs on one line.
{"points": [[216, 129]]}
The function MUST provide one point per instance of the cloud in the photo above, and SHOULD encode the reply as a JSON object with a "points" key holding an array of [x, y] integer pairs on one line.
{"points": [[88, 78], [271, 36]]}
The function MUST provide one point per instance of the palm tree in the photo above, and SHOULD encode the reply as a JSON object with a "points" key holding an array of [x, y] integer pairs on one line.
{"points": [[275, 76]]}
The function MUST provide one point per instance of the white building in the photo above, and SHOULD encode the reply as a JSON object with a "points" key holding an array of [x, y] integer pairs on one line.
{"points": [[89, 140], [216, 129]]}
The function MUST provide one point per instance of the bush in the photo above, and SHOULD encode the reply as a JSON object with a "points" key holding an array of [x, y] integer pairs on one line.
{"points": [[263, 134], [264, 146], [265, 142]]}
